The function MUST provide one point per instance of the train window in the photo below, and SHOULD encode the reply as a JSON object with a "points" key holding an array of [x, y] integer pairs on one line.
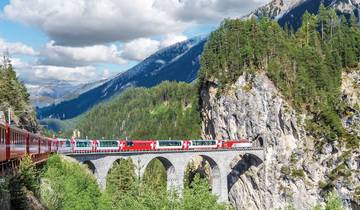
{"points": [[203, 143], [2, 136], [108, 144], [129, 143], [169, 143], [68, 143], [82, 144]]}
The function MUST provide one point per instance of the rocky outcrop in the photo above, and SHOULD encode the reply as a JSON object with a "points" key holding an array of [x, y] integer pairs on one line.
{"points": [[295, 171], [350, 89]]}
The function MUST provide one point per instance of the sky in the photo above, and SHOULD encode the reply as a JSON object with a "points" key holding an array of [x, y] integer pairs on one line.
{"points": [[87, 40]]}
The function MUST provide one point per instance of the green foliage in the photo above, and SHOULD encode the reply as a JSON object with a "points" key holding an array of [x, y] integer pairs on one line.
{"points": [[169, 110], [305, 66], [290, 207], [68, 185], [326, 185], [29, 174], [121, 180], [340, 171], [126, 192], [25, 180], [285, 170], [155, 176], [198, 196], [357, 194], [333, 202], [297, 173], [13, 94], [317, 207]]}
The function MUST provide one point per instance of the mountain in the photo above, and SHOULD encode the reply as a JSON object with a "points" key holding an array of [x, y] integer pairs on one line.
{"points": [[55, 91], [179, 62], [274, 9], [291, 11]]}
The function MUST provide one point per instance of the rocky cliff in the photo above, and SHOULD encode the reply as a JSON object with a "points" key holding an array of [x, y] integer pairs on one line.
{"points": [[296, 171]]}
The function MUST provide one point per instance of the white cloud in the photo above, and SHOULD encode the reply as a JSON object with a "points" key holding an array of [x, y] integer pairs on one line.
{"points": [[171, 39], [139, 49], [78, 74], [80, 56], [142, 48], [89, 22], [33, 73], [16, 48]]}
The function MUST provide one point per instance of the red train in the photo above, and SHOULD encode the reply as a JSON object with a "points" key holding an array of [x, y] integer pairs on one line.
{"points": [[16, 142], [87, 146]]}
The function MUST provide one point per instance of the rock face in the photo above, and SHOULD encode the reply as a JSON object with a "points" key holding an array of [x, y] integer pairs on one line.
{"points": [[350, 89], [294, 169]]}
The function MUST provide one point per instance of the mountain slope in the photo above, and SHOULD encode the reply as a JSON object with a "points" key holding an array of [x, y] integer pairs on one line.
{"points": [[168, 110], [55, 91], [179, 62], [274, 9], [291, 11]]}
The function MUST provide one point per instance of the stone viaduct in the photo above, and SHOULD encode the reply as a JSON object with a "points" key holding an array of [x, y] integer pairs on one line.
{"points": [[222, 174]]}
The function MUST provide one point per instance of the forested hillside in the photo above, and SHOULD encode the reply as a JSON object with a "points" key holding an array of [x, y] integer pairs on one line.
{"points": [[14, 95], [169, 110], [306, 66]]}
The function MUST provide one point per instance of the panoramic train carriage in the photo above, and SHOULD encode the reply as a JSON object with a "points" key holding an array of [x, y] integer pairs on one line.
{"points": [[82, 145], [170, 145], [205, 144], [106, 145]]}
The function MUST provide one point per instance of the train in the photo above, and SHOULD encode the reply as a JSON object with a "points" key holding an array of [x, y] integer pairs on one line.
{"points": [[105, 146], [16, 143]]}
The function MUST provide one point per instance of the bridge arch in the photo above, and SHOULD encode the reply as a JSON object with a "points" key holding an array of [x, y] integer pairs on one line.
{"points": [[171, 175], [90, 165], [215, 174], [239, 165]]}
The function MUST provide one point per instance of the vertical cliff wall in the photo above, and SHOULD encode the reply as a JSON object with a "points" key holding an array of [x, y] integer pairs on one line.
{"points": [[295, 171]]}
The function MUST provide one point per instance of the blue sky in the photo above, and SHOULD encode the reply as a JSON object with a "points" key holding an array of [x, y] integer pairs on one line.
{"points": [[86, 40]]}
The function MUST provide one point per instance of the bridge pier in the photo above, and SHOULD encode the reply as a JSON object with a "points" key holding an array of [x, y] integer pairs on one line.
{"points": [[224, 192]]}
